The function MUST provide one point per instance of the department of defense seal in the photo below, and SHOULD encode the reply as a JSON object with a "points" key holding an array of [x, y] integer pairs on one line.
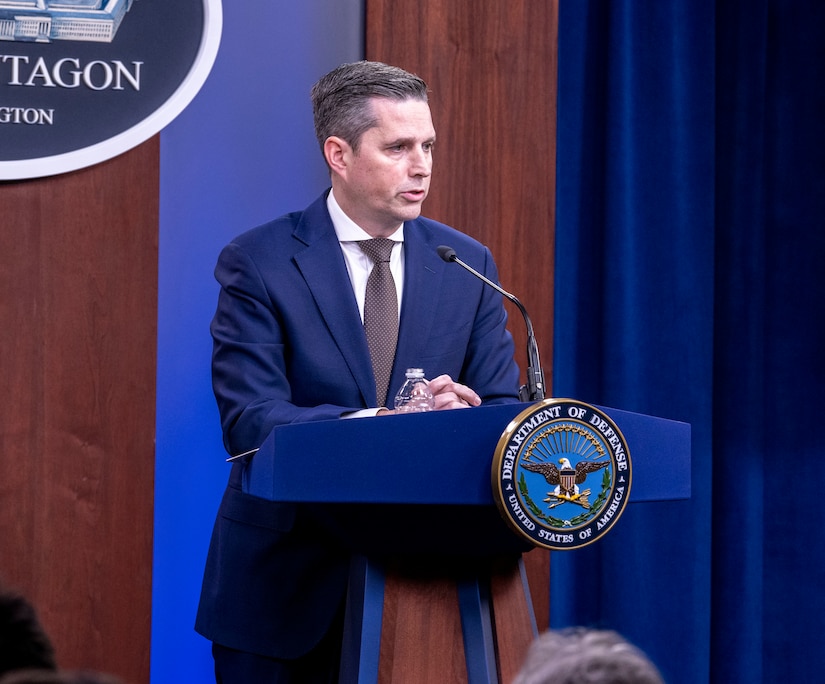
{"points": [[561, 474]]}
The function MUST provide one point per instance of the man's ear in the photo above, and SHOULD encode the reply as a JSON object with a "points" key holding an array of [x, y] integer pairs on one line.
{"points": [[336, 152]]}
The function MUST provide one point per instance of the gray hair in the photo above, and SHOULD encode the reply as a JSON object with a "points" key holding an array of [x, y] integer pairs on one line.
{"points": [[341, 99], [586, 656]]}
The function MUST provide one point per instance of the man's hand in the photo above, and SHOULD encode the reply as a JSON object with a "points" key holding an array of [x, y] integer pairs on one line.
{"points": [[450, 395], [447, 395]]}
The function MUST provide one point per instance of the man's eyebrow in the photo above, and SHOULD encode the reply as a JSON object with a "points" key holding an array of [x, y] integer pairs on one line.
{"points": [[409, 141]]}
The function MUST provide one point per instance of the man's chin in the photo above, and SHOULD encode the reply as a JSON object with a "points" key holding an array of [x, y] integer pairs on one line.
{"points": [[412, 211]]}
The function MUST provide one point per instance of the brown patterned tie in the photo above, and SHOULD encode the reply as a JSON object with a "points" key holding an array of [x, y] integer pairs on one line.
{"points": [[380, 313]]}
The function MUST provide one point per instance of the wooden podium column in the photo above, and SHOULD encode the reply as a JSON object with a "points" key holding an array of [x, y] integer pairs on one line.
{"points": [[467, 621], [421, 638]]}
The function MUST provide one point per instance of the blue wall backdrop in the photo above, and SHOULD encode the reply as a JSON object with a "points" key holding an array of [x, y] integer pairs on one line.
{"points": [[243, 152]]}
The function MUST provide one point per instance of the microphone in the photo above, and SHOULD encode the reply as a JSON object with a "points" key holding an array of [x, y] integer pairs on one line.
{"points": [[534, 389]]}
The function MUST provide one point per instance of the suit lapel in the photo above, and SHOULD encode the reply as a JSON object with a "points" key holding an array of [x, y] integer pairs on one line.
{"points": [[322, 266], [423, 272]]}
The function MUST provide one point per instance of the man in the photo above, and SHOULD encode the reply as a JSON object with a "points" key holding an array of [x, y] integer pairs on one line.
{"points": [[290, 345]]}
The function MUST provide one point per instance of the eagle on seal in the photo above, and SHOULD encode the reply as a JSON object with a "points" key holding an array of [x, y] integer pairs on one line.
{"points": [[568, 479]]}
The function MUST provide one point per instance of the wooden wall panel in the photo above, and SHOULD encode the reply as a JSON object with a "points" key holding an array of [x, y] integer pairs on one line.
{"points": [[78, 321], [491, 67]]}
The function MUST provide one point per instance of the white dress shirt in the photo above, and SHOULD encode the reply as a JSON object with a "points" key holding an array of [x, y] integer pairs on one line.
{"points": [[359, 264]]}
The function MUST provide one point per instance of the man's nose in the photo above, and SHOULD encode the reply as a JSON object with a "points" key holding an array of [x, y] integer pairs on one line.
{"points": [[421, 163]]}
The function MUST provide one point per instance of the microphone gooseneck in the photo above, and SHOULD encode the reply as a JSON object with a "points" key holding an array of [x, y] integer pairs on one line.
{"points": [[534, 389]]}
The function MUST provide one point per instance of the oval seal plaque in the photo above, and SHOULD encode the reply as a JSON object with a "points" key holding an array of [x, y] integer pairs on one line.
{"points": [[82, 81], [561, 474]]}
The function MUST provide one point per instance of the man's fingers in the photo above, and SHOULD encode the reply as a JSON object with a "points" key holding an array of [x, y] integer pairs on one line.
{"points": [[451, 394]]}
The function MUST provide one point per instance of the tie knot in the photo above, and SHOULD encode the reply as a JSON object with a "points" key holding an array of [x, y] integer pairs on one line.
{"points": [[377, 249]]}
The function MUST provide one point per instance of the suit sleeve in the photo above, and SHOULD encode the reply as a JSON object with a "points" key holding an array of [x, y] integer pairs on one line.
{"points": [[253, 372]]}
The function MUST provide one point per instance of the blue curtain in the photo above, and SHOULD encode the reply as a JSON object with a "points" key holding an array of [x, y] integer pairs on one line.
{"points": [[690, 284]]}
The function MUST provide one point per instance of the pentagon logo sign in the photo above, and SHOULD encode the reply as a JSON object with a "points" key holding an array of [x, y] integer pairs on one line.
{"points": [[82, 81], [561, 474]]}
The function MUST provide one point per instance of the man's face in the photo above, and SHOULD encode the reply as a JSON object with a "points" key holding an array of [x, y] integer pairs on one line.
{"points": [[385, 182]]}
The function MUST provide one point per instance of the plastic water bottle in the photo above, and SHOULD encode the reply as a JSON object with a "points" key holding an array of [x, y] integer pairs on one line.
{"points": [[414, 395]]}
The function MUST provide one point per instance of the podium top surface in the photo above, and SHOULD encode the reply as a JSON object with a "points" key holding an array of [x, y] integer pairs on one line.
{"points": [[441, 457]]}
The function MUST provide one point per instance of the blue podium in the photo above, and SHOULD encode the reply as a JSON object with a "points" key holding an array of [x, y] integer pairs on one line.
{"points": [[438, 584]]}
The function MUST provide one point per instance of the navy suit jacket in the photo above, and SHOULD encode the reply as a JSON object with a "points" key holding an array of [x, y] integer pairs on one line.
{"points": [[289, 347]]}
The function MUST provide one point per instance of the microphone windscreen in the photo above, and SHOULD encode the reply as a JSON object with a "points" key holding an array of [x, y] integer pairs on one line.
{"points": [[447, 253]]}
